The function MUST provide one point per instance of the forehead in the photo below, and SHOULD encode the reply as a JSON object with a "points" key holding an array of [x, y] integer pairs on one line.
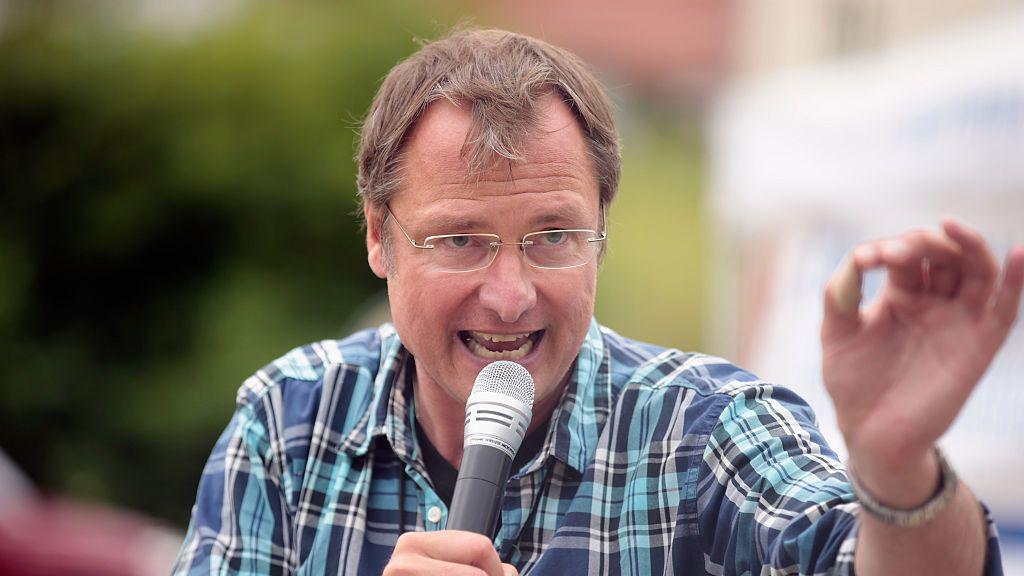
{"points": [[555, 167], [443, 127]]}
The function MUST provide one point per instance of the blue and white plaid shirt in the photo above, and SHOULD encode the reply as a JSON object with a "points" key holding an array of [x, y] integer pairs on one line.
{"points": [[655, 462]]}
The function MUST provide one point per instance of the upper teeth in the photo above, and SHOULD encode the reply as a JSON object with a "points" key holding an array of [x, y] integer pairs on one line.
{"points": [[501, 337], [524, 348]]}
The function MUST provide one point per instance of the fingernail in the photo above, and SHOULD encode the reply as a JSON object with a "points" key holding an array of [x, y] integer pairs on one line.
{"points": [[847, 292]]}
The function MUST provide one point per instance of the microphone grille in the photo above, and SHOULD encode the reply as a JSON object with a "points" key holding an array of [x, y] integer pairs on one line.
{"points": [[508, 378]]}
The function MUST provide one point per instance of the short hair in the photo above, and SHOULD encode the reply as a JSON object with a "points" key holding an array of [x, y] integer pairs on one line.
{"points": [[500, 77]]}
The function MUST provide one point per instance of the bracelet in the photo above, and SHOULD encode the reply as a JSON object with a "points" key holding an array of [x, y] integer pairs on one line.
{"points": [[948, 483]]}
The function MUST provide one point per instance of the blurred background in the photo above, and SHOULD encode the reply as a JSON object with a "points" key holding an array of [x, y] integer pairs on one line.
{"points": [[177, 203]]}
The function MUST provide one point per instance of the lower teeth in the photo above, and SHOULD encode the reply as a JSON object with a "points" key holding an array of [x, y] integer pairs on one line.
{"points": [[516, 354]]}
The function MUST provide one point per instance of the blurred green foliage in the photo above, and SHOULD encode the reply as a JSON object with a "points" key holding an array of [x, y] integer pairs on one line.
{"points": [[652, 285], [175, 211]]}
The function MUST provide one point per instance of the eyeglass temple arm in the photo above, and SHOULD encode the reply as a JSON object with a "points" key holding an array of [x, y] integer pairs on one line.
{"points": [[423, 246]]}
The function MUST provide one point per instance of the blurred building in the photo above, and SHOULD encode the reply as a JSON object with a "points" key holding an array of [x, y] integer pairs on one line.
{"points": [[773, 37], [670, 47]]}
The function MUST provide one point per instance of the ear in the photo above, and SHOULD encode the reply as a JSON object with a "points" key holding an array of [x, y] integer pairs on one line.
{"points": [[374, 247]]}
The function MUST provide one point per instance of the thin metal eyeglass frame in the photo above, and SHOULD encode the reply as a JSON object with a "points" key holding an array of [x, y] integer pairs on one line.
{"points": [[497, 243]]}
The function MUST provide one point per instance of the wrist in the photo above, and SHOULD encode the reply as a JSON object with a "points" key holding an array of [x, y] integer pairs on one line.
{"points": [[909, 515], [905, 482]]}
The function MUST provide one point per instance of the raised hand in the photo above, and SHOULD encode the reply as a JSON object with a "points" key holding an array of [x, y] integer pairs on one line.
{"points": [[900, 369]]}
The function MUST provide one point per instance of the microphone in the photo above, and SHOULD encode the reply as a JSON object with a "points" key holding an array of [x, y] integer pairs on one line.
{"points": [[498, 413]]}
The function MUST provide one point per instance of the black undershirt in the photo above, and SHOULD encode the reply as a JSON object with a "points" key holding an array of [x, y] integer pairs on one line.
{"points": [[443, 475]]}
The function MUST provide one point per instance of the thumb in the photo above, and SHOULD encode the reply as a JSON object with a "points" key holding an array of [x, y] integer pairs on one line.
{"points": [[842, 301], [510, 570]]}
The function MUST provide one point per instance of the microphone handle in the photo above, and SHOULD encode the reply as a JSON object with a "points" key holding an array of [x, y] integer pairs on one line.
{"points": [[479, 490]]}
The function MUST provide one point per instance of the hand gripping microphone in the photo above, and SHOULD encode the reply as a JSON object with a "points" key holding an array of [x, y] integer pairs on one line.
{"points": [[497, 415]]}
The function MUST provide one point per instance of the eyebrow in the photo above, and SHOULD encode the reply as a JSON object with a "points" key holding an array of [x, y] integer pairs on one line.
{"points": [[455, 223], [561, 215]]}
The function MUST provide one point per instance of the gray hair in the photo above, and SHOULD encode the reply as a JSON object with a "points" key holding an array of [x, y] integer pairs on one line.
{"points": [[500, 77]]}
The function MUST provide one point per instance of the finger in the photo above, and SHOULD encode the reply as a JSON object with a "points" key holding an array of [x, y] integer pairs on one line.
{"points": [[462, 548], [1007, 302], [843, 295], [909, 259], [979, 264], [510, 570], [410, 565], [943, 280]]}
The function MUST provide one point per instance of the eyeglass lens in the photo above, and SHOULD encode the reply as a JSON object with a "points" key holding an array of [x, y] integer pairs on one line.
{"points": [[551, 249]]}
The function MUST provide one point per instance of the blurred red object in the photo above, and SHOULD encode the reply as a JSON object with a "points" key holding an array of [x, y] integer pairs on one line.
{"points": [[43, 536]]}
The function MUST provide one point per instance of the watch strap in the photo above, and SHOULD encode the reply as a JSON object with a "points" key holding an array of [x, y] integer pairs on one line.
{"points": [[913, 517]]}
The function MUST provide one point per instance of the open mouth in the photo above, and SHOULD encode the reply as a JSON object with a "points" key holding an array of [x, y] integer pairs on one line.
{"points": [[500, 346]]}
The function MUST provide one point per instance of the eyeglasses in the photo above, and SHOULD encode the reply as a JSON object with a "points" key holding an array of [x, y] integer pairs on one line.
{"points": [[546, 249]]}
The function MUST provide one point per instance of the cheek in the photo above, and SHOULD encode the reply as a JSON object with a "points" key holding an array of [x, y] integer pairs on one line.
{"points": [[573, 301], [423, 308], [583, 291]]}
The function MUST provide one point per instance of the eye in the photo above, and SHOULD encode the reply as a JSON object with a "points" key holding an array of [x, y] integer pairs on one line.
{"points": [[553, 238], [458, 241]]}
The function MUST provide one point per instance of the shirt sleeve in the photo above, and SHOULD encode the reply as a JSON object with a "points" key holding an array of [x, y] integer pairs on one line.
{"points": [[777, 498], [778, 495], [240, 521]]}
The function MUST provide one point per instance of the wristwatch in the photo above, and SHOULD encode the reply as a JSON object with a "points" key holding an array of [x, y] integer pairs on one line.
{"points": [[948, 483]]}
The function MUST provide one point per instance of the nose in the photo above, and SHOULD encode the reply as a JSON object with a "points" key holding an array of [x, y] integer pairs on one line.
{"points": [[507, 287]]}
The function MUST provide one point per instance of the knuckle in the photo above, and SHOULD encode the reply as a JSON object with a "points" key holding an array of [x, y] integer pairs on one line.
{"points": [[405, 542], [398, 566], [920, 234], [479, 546]]}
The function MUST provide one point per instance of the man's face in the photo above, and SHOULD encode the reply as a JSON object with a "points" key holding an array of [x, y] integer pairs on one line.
{"points": [[454, 323]]}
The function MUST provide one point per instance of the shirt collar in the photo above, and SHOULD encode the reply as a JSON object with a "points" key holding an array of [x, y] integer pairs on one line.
{"points": [[389, 412], [586, 403], [577, 421]]}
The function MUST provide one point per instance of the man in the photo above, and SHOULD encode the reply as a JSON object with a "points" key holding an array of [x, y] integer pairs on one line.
{"points": [[487, 166]]}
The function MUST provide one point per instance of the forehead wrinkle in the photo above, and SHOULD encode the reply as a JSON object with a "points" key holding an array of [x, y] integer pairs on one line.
{"points": [[551, 175], [531, 170], [498, 188]]}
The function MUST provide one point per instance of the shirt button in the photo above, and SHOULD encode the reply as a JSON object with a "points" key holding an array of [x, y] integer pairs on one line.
{"points": [[434, 514]]}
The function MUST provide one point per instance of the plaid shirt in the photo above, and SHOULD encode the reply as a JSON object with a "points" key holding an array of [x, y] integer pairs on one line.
{"points": [[655, 462]]}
